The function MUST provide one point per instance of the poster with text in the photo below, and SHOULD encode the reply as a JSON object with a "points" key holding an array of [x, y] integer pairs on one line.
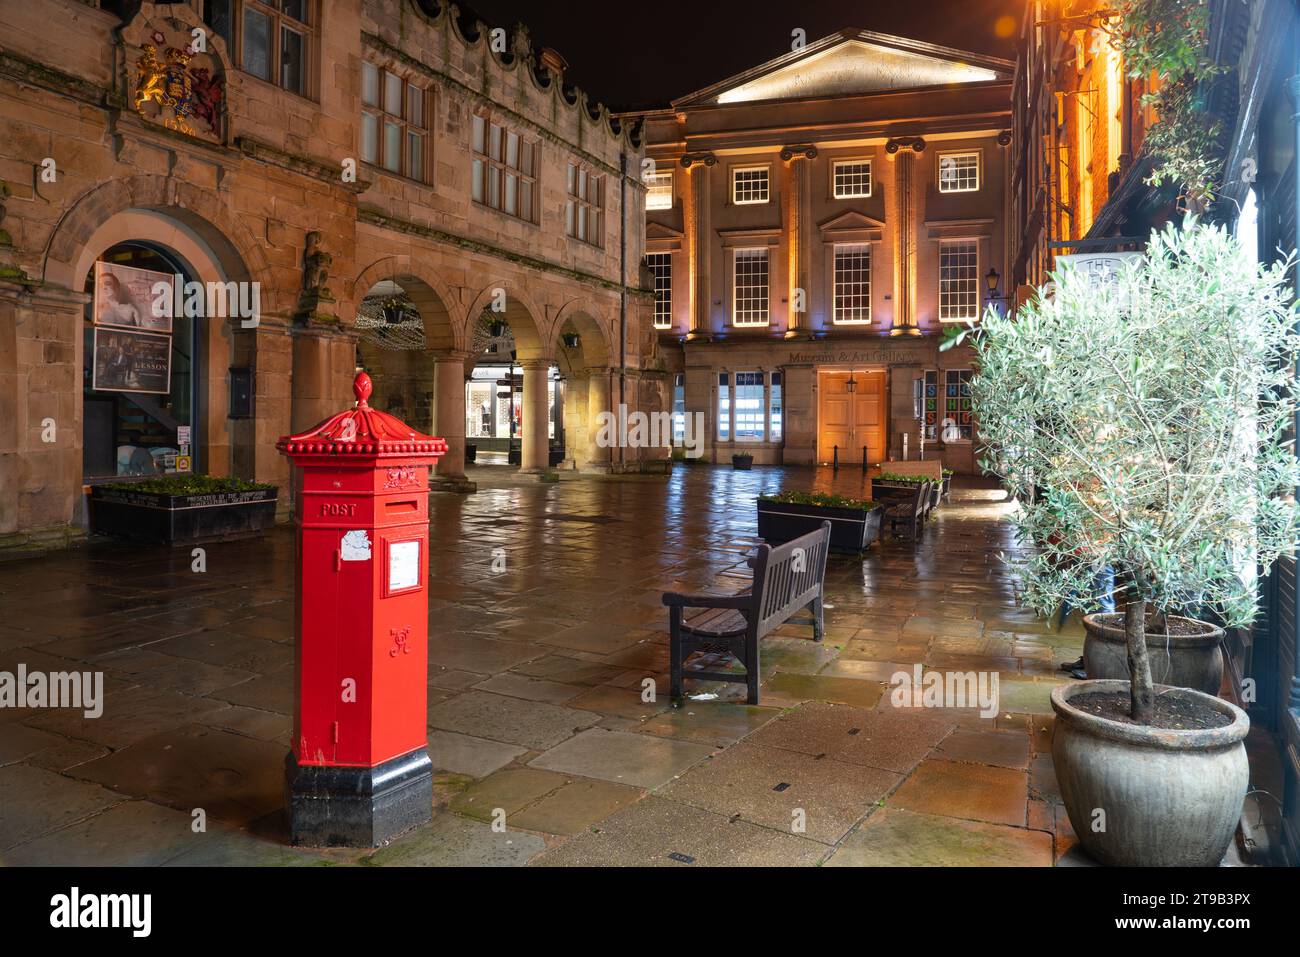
{"points": [[132, 362], [132, 298]]}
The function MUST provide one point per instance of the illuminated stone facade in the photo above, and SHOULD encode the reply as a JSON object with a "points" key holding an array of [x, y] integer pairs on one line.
{"points": [[315, 149], [801, 220]]}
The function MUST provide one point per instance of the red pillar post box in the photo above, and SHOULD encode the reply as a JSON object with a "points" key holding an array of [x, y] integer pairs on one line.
{"points": [[359, 771]]}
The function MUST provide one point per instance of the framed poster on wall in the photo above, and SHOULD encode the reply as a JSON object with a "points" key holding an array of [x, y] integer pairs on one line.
{"points": [[131, 298], [132, 362]]}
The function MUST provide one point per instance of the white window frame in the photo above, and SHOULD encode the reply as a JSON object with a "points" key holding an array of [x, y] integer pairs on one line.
{"points": [[747, 252], [979, 171], [975, 280], [835, 284], [767, 184], [871, 178], [655, 192], [663, 317], [408, 124]]}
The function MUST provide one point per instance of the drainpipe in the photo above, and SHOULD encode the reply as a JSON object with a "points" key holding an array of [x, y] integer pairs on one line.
{"points": [[1293, 88], [622, 293]]}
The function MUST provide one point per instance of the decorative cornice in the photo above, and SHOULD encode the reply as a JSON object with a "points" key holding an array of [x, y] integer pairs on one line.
{"points": [[48, 78], [306, 165], [374, 217]]}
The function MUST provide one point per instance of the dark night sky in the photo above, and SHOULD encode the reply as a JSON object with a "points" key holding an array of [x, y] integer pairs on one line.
{"points": [[639, 53]]}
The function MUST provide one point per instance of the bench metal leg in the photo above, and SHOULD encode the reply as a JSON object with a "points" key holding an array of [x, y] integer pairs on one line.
{"points": [[819, 622], [675, 654], [751, 669]]}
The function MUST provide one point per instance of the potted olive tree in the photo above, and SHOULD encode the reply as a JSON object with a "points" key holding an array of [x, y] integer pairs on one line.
{"points": [[1139, 423]]}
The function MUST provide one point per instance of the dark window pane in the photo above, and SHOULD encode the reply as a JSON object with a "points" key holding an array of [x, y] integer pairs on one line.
{"points": [[296, 9], [292, 69], [256, 56], [217, 15]]}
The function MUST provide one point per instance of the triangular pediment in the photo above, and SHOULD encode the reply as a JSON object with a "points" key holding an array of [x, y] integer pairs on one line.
{"points": [[852, 62], [660, 231], [850, 220]]}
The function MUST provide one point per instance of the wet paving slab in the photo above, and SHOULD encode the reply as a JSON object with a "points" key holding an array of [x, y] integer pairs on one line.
{"points": [[549, 722]]}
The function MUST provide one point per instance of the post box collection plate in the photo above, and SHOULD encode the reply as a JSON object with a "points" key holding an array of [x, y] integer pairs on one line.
{"points": [[359, 771]]}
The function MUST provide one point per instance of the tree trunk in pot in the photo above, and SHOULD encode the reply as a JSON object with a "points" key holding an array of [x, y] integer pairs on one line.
{"points": [[1141, 692]]}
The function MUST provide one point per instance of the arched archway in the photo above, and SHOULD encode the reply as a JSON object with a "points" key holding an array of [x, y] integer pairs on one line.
{"points": [[179, 420], [583, 354], [413, 344]]}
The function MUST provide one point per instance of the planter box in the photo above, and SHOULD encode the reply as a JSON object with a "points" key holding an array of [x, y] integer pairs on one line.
{"points": [[852, 530], [471, 452], [742, 462], [180, 519]]}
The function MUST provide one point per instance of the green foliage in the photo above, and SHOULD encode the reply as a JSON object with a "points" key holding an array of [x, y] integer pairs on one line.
{"points": [[1141, 425], [824, 499], [1168, 38], [195, 485]]}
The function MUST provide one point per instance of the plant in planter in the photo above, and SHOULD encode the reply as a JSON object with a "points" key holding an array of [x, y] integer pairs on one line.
{"points": [[947, 481], [1139, 423], [855, 523], [180, 509], [742, 461]]}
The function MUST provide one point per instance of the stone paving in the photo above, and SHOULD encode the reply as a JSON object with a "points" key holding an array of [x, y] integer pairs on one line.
{"points": [[536, 709]]}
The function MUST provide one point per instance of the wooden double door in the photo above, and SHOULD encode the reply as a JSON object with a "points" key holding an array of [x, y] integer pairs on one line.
{"points": [[852, 419]]}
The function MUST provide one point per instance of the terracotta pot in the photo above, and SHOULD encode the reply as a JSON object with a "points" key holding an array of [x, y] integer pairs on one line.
{"points": [[1170, 798], [1183, 661]]}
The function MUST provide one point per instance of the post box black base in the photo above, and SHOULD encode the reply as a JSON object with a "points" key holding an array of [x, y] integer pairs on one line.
{"points": [[358, 807]]}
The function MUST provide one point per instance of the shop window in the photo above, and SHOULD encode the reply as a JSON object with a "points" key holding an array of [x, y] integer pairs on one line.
{"points": [[750, 407], [140, 393], [504, 174], [774, 409], [957, 423], [724, 407], [679, 408]]}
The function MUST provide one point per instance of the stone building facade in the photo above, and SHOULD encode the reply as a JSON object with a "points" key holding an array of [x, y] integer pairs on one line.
{"points": [[813, 226], [310, 152]]}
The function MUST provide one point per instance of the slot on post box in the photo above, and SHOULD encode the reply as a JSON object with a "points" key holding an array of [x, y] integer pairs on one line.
{"points": [[407, 506]]}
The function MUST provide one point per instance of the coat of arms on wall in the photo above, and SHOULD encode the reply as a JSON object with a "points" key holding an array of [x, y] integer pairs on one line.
{"points": [[171, 88]]}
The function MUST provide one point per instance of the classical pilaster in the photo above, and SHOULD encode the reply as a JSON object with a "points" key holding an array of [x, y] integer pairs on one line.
{"points": [[696, 210], [798, 236], [902, 152]]}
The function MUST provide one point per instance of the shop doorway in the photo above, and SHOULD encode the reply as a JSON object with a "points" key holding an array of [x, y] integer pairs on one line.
{"points": [[140, 388], [851, 416]]}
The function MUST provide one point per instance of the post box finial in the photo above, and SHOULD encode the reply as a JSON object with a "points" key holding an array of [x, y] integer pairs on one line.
{"points": [[361, 388]]}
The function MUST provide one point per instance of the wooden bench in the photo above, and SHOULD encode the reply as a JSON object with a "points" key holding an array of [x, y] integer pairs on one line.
{"points": [[909, 511], [920, 468], [787, 579]]}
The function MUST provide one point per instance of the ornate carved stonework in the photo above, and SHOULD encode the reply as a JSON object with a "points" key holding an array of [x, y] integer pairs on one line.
{"points": [[175, 83], [316, 264]]}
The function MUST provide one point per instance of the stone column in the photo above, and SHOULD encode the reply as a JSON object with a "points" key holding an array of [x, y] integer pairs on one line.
{"points": [[534, 443], [905, 242], [698, 248], [449, 419], [798, 237], [324, 364], [598, 456]]}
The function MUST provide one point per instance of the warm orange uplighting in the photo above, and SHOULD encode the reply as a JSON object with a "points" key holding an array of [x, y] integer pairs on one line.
{"points": [[1004, 26]]}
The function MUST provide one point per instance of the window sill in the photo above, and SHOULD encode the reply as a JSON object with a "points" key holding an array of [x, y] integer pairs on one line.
{"points": [[385, 171], [276, 86], [501, 212]]}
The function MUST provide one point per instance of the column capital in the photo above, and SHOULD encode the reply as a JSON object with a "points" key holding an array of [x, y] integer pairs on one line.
{"points": [[703, 156], [539, 362], [451, 355], [914, 143], [801, 151]]}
